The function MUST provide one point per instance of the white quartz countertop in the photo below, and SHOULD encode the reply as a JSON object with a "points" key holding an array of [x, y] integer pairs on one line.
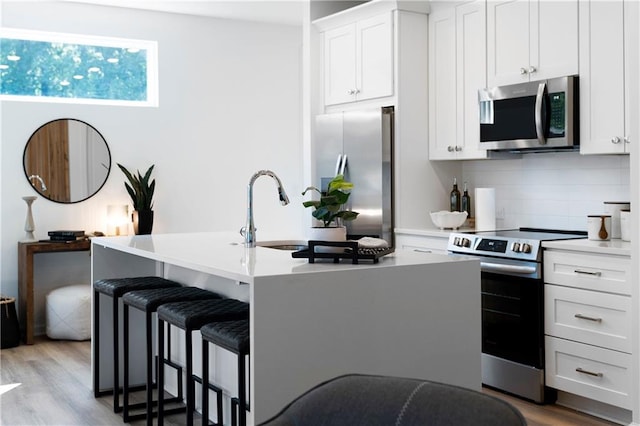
{"points": [[613, 247], [431, 232], [223, 254]]}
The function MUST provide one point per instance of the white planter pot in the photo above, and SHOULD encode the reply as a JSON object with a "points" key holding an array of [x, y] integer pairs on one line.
{"points": [[333, 233]]}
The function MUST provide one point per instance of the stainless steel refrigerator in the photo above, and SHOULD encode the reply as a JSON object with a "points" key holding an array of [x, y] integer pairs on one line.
{"points": [[359, 144]]}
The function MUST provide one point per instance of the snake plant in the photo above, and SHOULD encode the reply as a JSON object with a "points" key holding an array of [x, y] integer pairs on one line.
{"points": [[139, 188]]}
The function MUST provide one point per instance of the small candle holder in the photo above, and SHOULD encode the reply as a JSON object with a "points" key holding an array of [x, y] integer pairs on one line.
{"points": [[29, 226]]}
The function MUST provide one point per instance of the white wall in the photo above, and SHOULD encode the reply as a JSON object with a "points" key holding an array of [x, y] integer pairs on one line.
{"points": [[230, 104], [551, 190]]}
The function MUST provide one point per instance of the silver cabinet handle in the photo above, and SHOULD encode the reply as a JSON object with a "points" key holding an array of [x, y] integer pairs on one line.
{"points": [[590, 373], [532, 70], [596, 274], [351, 92], [523, 71], [627, 139], [450, 148], [584, 317], [422, 251], [458, 148], [615, 140]]}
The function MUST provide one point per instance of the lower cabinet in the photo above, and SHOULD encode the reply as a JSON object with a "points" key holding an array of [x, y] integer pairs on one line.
{"points": [[588, 326], [423, 243]]}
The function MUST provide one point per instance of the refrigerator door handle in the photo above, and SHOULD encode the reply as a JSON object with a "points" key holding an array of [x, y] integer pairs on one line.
{"points": [[344, 164], [338, 164]]}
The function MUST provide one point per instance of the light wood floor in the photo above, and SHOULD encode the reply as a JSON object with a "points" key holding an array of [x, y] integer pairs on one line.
{"points": [[55, 389]]}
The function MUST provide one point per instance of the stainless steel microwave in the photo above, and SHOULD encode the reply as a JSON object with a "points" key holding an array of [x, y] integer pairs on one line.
{"points": [[532, 116]]}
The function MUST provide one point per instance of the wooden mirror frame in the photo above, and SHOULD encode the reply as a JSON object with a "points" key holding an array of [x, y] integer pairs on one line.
{"points": [[66, 160]]}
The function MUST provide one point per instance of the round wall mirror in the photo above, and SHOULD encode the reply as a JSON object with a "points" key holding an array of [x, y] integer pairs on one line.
{"points": [[66, 160]]}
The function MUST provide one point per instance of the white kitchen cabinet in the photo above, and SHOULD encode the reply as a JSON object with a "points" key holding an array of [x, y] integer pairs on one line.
{"points": [[608, 75], [457, 43], [358, 60], [530, 40], [588, 325], [435, 243]]}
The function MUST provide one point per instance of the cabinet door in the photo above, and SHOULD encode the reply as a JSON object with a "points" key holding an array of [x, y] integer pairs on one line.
{"points": [[340, 65], [554, 39], [374, 57], [442, 84], [471, 48], [602, 89], [507, 42]]}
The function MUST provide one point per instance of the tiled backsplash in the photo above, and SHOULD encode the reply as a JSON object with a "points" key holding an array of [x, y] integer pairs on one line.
{"points": [[550, 190]]}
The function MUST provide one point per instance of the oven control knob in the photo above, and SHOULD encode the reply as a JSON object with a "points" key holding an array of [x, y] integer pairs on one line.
{"points": [[515, 247], [466, 242], [526, 248]]}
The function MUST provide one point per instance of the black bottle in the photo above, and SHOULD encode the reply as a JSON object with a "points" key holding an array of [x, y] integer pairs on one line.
{"points": [[465, 204], [455, 197]]}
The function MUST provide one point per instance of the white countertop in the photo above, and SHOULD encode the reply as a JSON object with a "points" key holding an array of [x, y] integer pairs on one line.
{"points": [[223, 254], [613, 247]]}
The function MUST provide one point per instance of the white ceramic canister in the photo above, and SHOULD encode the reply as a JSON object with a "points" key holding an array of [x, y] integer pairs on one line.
{"points": [[625, 224], [613, 208], [599, 227]]}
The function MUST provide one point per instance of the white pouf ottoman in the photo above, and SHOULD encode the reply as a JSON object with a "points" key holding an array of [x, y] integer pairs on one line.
{"points": [[69, 312]]}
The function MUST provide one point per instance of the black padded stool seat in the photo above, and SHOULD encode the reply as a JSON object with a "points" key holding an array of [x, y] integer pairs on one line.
{"points": [[148, 301], [190, 316], [232, 336], [115, 288]]}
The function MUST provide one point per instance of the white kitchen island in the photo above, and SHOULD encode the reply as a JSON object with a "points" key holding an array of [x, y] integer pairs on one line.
{"points": [[412, 314]]}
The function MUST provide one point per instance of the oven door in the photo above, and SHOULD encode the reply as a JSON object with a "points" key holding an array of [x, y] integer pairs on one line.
{"points": [[512, 311]]}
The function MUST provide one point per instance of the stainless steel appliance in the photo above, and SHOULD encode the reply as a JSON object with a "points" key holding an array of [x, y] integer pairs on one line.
{"points": [[532, 116], [359, 144], [512, 305]]}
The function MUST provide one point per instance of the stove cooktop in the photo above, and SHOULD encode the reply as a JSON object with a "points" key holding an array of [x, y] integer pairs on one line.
{"points": [[518, 244]]}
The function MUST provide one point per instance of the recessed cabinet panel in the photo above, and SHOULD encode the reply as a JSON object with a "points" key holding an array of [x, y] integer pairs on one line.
{"points": [[457, 69], [600, 374], [358, 60], [508, 35], [605, 75], [375, 54], [530, 40]]}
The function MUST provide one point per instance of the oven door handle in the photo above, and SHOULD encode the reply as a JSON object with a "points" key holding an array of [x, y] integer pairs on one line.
{"points": [[511, 269]]}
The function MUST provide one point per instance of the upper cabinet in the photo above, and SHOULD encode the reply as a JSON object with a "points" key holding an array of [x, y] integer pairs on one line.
{"points": [[531, 40], [358, 60], [457, 69], [608, 75]]}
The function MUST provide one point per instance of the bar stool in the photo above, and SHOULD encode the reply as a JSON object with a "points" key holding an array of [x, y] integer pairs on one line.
{"points": [[148, 302], [190, 316], [234, 337], [115, 288]]}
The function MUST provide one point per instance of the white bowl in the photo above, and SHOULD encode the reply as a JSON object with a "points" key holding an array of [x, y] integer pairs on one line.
{"points": [[445, 219]]}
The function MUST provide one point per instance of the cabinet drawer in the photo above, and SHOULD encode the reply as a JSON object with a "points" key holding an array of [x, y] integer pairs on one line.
{"points": [[422, 243], [588, 371], [589, 271], [586, 316]]}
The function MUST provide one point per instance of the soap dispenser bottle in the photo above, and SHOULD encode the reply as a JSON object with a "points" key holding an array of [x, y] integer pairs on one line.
{"points": [[455, 197]]}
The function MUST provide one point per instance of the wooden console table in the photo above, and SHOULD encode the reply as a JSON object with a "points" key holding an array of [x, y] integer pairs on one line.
{"points": [[26, 250]]}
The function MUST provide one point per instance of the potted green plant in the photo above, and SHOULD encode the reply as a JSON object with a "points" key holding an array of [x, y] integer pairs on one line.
{"points": [[330, 210], [141, 189]]}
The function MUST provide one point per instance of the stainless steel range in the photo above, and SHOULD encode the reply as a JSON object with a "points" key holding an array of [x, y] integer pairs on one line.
{"points": [[512, 305]]}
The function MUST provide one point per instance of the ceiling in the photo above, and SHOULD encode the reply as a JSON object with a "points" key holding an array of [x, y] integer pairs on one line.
{"points": [[289, 12]]}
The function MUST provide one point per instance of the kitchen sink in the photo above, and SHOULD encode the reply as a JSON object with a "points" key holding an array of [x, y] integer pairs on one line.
{"points": [[290, 245]]}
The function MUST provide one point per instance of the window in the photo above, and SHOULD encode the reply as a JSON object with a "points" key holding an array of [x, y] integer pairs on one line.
{"points": [[53, 67]]}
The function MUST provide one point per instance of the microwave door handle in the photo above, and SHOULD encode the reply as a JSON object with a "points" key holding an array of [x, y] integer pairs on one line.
{"points": [[542, 89]]}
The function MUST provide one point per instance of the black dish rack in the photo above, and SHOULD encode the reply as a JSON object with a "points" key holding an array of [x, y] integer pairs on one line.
{"points": [[350, 251]]}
